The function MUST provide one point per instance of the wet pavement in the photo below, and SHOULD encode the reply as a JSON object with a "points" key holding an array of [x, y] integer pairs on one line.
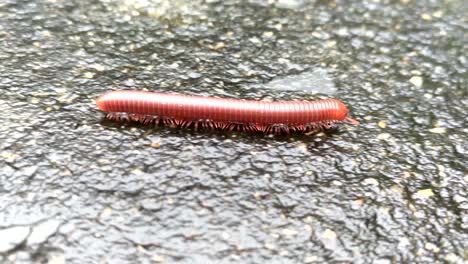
{"points": [[76, 188]]}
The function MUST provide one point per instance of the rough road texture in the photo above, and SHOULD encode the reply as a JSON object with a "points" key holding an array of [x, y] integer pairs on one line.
{"points": [[75, 188]]}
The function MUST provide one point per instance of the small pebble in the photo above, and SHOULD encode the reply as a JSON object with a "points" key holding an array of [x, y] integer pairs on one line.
{"points": [[219, 46], [9, 156], [397, 189], [155, 144], [416, 81], [452, 258], [57, 259], [289, 232], [441, 170], [35, 100], [269, 246], [45, 34], [426, 16], [194, 75], [317, 34], [382, 124], [311, 259], [359, 202], [437, 14], [426, 193], [331, 43], [88, 75], [268, 34], [371, 181], [383, 136], [431, 247], [438, 130], [99, 68], [337, 183], [106, 212], [302, 146], [136, 171], [420, 252], [329, 234], [158, 259], [140, 248]]}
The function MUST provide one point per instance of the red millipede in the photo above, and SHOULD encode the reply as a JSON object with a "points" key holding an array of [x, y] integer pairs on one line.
{"points": [[221, 113]]}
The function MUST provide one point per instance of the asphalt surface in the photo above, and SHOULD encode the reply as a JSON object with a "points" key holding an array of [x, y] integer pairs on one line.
{"points": [[76, 188]]}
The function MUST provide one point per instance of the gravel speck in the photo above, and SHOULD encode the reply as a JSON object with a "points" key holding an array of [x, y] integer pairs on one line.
{"points": [[416, 81], [425, 193], [329, 234], [438, 130], [371, 181]]}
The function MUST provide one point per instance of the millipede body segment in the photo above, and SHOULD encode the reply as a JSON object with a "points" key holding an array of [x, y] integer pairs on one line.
{"points": [[224, 114]]}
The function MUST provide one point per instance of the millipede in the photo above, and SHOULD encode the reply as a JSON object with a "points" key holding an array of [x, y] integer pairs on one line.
{"points": [[177, 110]]}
